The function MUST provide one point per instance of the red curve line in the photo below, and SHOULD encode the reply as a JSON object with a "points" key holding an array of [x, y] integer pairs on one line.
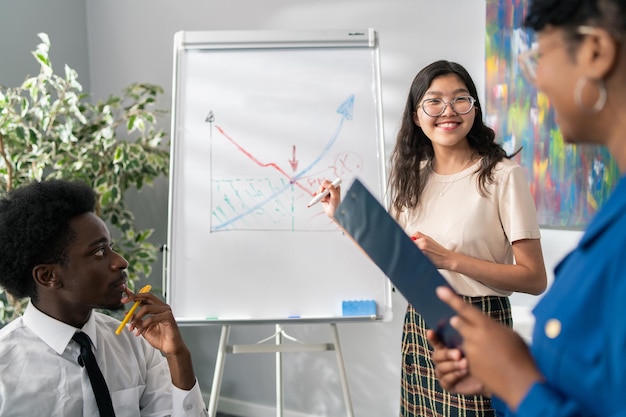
{"points": [[271, 164]]}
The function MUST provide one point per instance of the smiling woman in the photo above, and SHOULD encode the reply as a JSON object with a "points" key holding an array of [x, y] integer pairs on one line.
{"points": [[468, 207], [446, 157]]}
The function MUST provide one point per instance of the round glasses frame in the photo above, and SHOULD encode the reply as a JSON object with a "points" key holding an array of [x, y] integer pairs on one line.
{"points": [[452, 103], [529, 58]]}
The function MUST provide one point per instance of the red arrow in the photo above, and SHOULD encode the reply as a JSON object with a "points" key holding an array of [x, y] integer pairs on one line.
{"points": [[293, 161]]}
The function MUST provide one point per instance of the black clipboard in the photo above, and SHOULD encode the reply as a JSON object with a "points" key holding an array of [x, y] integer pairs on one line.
{"points": [[369, 224]]}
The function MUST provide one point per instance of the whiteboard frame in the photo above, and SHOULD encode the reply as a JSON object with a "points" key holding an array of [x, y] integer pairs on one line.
{"points": [[185, 41]]}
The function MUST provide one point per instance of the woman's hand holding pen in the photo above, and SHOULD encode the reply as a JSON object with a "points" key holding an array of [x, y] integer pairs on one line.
{"points": [[332, 200]]}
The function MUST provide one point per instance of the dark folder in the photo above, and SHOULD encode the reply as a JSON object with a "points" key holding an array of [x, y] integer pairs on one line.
{"points": [[369, 224]]}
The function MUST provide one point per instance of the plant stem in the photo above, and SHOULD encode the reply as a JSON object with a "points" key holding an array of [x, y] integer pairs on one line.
{"points": [[7, 163]]}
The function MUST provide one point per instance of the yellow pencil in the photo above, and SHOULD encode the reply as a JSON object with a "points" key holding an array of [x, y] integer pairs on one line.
{"points": [[131, 311]]}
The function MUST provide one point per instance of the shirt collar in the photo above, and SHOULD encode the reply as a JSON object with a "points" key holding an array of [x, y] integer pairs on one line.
{"points": [[53, 332]]}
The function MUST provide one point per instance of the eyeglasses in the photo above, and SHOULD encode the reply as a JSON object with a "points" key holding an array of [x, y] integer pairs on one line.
{"points": [[434, 107], [529, 59]]}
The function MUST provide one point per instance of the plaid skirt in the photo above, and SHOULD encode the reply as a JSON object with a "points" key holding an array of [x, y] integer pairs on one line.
{"points": [[422, 395]]}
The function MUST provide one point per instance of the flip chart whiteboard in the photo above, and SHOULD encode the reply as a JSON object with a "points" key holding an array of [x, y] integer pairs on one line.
{"points": [[259, 119]]}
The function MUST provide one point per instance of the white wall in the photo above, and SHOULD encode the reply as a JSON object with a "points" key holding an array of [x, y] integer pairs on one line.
{"points": [[22, 20], [133, 41], [555, 244]]}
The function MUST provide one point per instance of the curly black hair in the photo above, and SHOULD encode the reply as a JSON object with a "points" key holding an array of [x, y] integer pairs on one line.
{"points": [[35, 229], [609, 14], [407, 178]]}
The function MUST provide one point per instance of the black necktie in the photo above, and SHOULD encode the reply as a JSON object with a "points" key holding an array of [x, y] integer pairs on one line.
{"points": [[98, 384]]}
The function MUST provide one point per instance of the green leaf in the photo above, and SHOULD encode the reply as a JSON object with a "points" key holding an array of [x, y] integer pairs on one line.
{"points": [[106, 198], [131, 123], [51, 129], [119, 155]]}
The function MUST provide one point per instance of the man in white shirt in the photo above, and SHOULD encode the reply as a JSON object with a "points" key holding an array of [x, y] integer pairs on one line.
{"points": [[58, 252]]}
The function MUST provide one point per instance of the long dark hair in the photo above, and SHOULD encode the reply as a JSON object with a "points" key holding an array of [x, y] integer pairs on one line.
{"points": [[406, 179]]}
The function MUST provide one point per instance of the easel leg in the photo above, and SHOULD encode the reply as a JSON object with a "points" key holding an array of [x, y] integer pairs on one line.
{"points": [[219, 370], [278, 337], [342, 372], [279, 373]]}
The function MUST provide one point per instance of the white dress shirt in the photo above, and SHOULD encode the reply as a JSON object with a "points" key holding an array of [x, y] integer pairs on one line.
{"points": [[40, 375]]}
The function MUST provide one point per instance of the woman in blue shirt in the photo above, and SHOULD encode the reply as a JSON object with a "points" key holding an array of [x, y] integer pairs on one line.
{"points": [[576, 365]]}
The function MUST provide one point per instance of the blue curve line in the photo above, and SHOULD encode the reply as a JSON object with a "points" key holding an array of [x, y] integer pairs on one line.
{"points": [[346, 110]]}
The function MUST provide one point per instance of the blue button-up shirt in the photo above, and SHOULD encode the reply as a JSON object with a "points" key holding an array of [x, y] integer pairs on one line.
{"points": [[579, 339]]}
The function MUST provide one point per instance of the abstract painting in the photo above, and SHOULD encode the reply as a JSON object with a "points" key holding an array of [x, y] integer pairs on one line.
{"points": [[568, 182]]}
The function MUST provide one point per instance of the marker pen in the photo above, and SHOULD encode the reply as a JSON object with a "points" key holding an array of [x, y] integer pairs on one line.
{"points": [[131, 311], [319, 197]]}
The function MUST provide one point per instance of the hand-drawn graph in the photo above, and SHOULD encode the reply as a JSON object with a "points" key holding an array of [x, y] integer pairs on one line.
{"points": [[276, 201], [273, 138]]}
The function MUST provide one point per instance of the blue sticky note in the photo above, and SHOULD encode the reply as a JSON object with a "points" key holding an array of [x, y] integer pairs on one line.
{"points": [[358, 307]]}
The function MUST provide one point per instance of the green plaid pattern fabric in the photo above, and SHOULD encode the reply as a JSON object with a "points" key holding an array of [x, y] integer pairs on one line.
{"points": [[422, 395]]}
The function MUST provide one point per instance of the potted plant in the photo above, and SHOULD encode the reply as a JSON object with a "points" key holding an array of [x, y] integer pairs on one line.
{"points": [[50, 129]]}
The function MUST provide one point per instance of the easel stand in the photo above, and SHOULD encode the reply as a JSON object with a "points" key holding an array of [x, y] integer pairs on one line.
{"points": [[278, 348]]}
